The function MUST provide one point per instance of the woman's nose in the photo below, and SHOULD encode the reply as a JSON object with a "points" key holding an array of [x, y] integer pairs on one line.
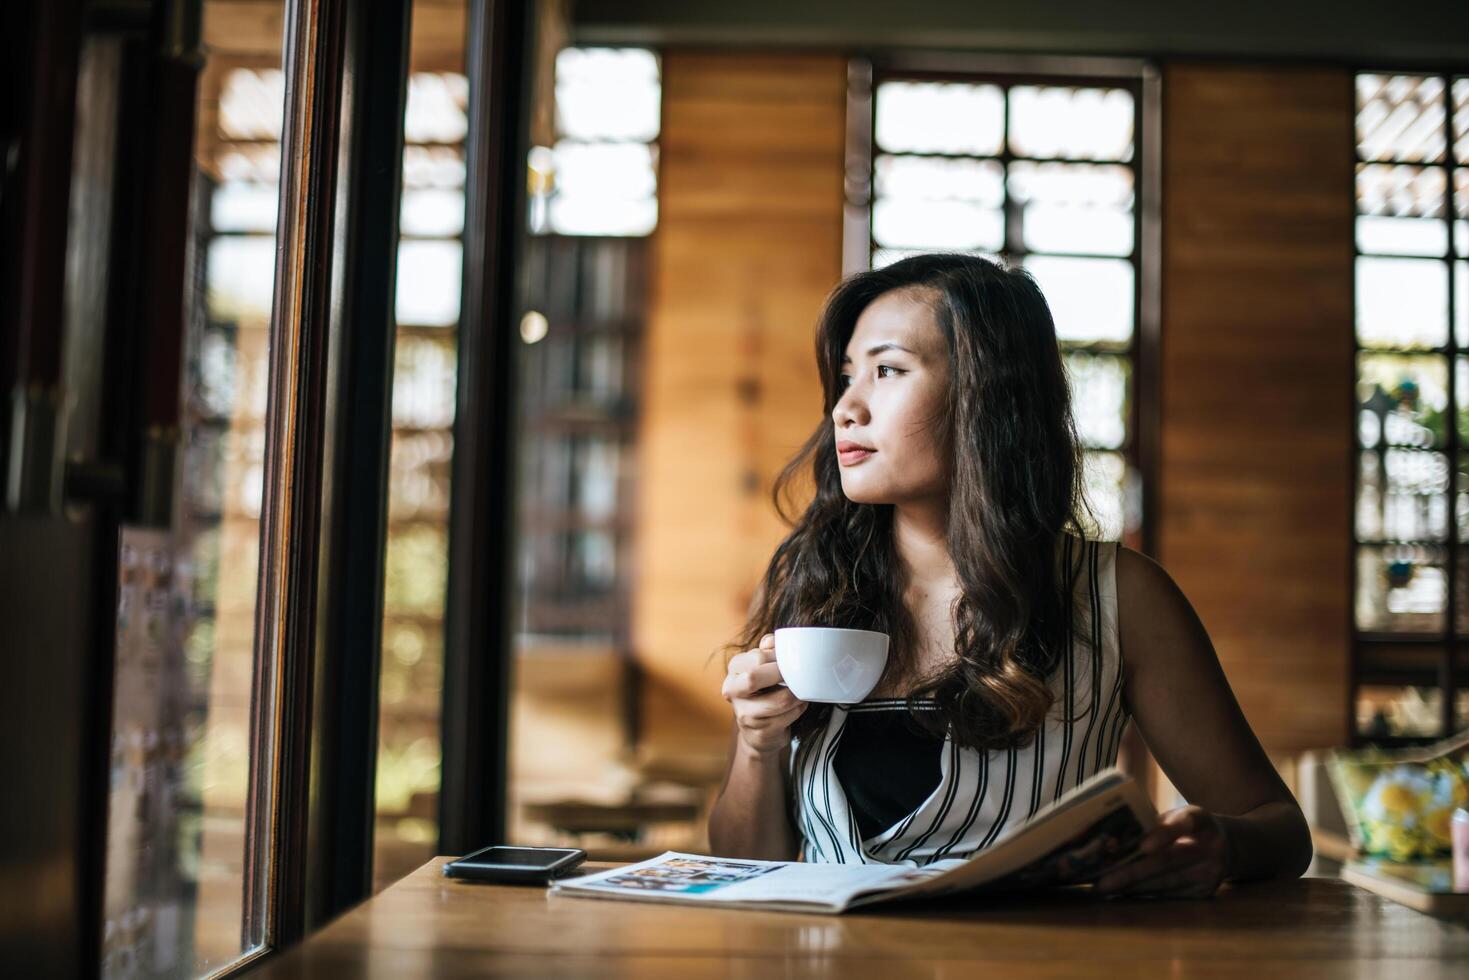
{"points": [[850, 407]]}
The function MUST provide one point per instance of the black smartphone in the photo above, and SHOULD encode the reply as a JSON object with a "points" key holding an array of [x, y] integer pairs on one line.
{"points": [[506, 862]]}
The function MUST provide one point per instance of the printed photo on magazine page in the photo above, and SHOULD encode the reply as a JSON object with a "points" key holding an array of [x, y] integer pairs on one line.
{"points": [[688, 876]]}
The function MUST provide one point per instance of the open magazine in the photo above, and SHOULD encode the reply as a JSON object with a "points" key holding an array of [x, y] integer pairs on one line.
{"points": [[1090, 830]]}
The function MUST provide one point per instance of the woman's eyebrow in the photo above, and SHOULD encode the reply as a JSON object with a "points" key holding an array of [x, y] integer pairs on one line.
{"points": [[885, 345]]}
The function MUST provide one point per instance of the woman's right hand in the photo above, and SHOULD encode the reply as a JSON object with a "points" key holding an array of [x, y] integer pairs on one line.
{"points": [[764, 709]]}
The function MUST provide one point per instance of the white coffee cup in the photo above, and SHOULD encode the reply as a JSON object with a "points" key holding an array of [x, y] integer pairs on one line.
{"points": [[830, 665]]}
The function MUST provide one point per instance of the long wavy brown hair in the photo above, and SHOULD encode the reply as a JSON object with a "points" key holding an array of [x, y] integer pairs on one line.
{"points": [[1015, 488]]}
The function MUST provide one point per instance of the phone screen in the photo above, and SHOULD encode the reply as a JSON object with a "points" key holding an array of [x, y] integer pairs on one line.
{"points": [[503, 862], [528, 857]]}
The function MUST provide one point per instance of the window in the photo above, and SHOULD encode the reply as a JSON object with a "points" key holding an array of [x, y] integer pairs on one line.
{"points": [[593, 203], [425, 374], [1046, 175], [182, 746], [601, 176], [1412, 392]]}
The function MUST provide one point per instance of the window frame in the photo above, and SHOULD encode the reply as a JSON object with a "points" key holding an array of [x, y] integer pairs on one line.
{"points": [[1140, 449], [1371, 651]]}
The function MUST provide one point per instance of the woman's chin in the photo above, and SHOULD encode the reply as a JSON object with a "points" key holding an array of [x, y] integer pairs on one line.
{"points": [[863, 495]]}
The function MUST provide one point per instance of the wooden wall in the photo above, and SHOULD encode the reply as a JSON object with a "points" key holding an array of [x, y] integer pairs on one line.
{"points": [[748, 245], [1257, 376]]}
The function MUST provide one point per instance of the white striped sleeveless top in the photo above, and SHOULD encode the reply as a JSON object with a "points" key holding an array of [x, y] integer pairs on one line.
{"points": [[981, 795]]}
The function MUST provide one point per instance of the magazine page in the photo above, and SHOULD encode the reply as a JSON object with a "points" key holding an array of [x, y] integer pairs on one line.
{"points": [[1068, 844], [1091, 829], [674, 876]]}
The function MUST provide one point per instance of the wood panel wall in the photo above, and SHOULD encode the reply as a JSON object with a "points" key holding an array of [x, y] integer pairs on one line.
{"points": [[748, 245], [1257, 376]]}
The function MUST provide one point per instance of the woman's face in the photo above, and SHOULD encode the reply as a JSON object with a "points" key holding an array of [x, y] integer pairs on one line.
{"points": [[894, 382]]}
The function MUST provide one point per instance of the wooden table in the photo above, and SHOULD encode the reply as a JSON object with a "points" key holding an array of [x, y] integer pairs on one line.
{"points": [[429, 926]]}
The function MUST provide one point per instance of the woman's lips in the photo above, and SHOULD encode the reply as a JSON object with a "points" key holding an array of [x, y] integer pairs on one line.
{"points": [[854, 456]]}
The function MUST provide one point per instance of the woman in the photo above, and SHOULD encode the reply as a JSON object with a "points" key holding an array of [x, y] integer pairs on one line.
{"points": [[948, 513]]}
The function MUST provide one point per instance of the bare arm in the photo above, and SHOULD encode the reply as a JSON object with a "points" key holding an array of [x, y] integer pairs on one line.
{"points": [[1241, 817], [751, 816]]}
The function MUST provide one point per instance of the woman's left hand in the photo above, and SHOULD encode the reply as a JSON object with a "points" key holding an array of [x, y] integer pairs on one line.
{"points": [[1185, 855]]}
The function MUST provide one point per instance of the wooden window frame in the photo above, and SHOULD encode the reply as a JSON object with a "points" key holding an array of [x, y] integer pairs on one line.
{"points": [[1142, 79], [309, 810], [1371, 650]]}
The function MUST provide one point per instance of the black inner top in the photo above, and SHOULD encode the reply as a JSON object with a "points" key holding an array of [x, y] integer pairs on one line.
{"points": [[886, 764]]}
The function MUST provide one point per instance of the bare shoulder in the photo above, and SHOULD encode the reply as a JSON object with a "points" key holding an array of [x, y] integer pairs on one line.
{"points": [[1138, 576], [1152, 611]]}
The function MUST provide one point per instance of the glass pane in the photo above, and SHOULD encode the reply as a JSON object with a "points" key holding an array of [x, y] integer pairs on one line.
{"points": [[1460, 208], [432, 212], [1401, 400], [1461, 304], [416, 570], [1400, 190], [1076, 207], [1400, 117], [1105, 476], [926, 202], [594, 565], [437, 108], [598, 462], [1461, 119], [608, 94], [258, 163], [1385, 712], [423, 380], [599, 368], [1401, 208], [1402, 495], [1402, 302], [940, 179], [576, 470], [1401, 588], [939, 117], [1402, 236], [935, 225], [425, 383], [415, 575], [239, 205], [419, 475], [1099, 393], [1090, 299], [600, 178], [182, 746], [240, 276], [1073, 207], [604, 189], [1461, 398], [433, 166], [250, 101], [1071, 123], [430, 275]]}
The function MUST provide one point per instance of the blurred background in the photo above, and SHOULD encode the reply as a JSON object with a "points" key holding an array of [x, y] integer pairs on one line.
{"points": [[1252, 227]]}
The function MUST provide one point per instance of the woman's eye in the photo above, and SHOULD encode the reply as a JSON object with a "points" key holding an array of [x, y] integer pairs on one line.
{"points": [[844, 380]]}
